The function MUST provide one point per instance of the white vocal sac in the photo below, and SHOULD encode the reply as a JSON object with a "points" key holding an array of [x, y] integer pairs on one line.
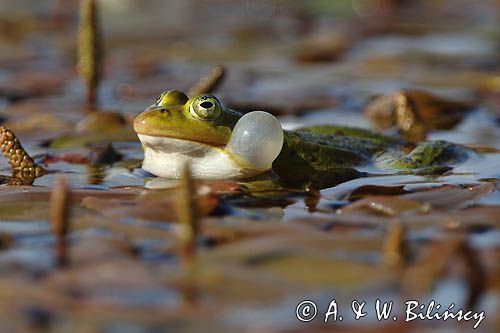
{"points": [[257, 139]]}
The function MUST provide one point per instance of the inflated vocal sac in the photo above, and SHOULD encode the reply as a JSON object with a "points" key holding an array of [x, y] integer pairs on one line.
{"points": [[257, 139]]}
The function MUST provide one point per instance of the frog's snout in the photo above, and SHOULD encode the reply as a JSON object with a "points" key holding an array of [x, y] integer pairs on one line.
{"points": [[257, 139], [144, 122], [140, 123]]}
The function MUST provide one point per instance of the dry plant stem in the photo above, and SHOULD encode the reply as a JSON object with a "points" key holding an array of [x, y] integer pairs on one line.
{"points": [[89, 58], [395, 247], [474, 273], [59, 221], [189, 290], [208, 83], [422, 276], [90, 96], [188, 215], [24, 168], [188, 218]]}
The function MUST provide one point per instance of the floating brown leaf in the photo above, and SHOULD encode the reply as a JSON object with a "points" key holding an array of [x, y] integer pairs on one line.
{"points": [[450, 197], [368, 190], [322, 47], [150, 210], [387, 205], [415, 112], [446, 197]]}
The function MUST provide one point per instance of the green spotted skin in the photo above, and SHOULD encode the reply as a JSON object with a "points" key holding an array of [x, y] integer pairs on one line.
{"points": [[430, 153], [324, 152], [351, 132]]}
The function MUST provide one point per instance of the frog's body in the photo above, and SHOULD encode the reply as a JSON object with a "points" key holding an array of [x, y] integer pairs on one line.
{"points": [[199, 129]]}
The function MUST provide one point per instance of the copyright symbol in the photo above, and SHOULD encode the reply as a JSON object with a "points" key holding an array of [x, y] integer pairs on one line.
{"points": [[306, 311]]}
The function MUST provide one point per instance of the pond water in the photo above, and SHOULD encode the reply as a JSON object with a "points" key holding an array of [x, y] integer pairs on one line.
{"points": [[261, 250]]}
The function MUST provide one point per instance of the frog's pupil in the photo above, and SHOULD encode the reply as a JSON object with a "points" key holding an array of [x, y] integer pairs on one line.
{"points": [[206, 105]]}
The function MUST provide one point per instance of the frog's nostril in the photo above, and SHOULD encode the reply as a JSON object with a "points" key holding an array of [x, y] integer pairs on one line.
{"points": [[207, 105]]}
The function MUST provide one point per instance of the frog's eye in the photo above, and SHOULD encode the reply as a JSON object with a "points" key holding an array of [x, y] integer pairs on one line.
{"points": [[205, 107], [172, 97]]}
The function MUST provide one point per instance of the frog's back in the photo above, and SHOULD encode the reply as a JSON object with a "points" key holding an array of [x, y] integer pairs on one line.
{"points": [[331, 150], [354, 132], [320, 152]]}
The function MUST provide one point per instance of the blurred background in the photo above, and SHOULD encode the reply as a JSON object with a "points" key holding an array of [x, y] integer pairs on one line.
{"points": [[306, 61], [289, 55]]}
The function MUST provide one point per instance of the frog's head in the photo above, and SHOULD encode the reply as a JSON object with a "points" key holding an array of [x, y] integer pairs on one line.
{"points": [[218, 142]]}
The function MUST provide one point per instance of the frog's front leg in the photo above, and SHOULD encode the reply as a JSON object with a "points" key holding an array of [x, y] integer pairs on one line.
{"points": [[426, 155]]}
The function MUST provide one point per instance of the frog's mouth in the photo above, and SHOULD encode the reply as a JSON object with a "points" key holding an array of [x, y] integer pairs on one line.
{"points": [[170, 145], [165, 142]]}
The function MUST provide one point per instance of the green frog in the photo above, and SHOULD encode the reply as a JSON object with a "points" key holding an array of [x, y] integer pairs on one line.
{"points": [[221, 143]]}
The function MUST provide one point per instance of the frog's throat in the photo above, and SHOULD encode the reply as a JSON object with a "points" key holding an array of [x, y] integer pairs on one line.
{"points": [[165, 157]]}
